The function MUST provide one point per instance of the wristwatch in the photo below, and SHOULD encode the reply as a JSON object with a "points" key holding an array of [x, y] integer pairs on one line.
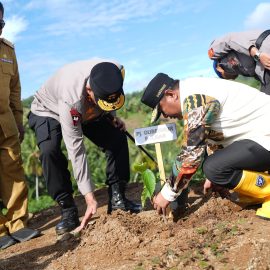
{"points": [[256, 56]]}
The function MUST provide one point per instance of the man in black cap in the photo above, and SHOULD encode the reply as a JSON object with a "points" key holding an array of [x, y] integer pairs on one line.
{"points": [[74, 102], [152, 99], [216, 114]]}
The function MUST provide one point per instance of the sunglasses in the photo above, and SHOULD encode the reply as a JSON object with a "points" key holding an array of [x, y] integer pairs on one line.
{"points": [[2, 24]]}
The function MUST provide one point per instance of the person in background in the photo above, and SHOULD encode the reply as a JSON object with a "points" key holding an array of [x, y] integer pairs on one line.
{"points": [[243, 53], [13, 188]]}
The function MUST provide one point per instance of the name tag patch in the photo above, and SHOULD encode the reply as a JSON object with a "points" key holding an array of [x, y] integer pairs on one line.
{"points": [[6, 60], [260, 181]]}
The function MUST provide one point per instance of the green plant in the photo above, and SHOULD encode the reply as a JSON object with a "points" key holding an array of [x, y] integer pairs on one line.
{"points": [[156, 260], [214, 248], [234, 230], [139, 267], [203, 264], [44, 202], [149, 180], [201, 230]]}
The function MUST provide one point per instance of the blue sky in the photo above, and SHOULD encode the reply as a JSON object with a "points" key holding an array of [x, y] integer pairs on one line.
{"points": [[146, 36]]}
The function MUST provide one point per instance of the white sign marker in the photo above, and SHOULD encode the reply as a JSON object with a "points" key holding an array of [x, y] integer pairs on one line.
{"points": [[155, 134]]}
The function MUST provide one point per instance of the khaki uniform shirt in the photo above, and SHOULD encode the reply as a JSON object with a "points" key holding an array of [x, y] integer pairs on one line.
{"points": [[10, 97], [64, 98], [240, 43]]}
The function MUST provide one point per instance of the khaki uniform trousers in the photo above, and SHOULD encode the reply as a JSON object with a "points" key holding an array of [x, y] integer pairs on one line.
{"points": [[13, 189]]}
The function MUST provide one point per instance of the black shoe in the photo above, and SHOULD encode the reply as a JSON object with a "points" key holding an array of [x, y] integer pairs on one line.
{"points": [[25, 234], [7, 241], [69, 221], [70, 217], [132, 206], [118, 200]]}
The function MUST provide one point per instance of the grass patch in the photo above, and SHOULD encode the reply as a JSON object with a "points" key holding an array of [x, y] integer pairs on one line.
{"points": [[139, 267], [44, 202], [156, 260], [203, 264], [234, 230], [201, 230]]}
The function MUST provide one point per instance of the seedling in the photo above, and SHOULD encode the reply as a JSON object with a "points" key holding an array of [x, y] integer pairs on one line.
{"points": [[201, 230], [149, 181]]}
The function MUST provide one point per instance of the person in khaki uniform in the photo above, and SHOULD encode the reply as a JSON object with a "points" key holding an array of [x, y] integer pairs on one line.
{"points": [[13, 189]]}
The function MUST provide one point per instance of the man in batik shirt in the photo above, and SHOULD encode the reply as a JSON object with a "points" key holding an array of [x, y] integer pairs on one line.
{"points": [[227, 114]]}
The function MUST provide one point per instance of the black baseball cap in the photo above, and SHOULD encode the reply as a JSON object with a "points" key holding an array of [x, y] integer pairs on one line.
{"points": [[106, 81], [154, 92]]}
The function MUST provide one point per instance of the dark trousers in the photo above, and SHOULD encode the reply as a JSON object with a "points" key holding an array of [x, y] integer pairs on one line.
{"points": [[265, 88], [225, 166], [55, 165]]}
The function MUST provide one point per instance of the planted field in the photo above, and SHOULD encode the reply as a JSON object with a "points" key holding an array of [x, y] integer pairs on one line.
{"points": [[213, 234]]}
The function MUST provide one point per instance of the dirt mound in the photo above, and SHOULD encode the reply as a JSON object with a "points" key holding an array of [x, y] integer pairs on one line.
{"points": [[213, 233]]}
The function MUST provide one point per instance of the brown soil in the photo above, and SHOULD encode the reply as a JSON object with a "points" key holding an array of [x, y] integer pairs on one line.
{"points": [[214, 233]]}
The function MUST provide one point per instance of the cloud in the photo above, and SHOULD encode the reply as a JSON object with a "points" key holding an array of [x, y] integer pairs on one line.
{"points": [[136, 77], [260, 17], [36, 69], [14, 26], [71, 17], [96, 14], [54, 23], [7, 2]]}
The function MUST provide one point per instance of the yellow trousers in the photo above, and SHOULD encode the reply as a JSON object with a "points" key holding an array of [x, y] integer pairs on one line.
{"points": [[13, 189]]}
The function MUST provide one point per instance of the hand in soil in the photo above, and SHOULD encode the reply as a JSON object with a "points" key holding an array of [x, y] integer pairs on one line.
{"points": [[160, 203], [209, 186], [77, 231], [90, 210]]}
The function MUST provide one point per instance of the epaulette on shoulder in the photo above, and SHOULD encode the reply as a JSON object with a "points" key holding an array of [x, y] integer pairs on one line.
{"points": [[8, 43]]}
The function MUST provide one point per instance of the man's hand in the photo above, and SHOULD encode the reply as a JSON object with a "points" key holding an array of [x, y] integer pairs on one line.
{"points": [[160, 203], [209, 186], [264, 57], [21, 132], [118, 123], [90, 210], [265, 60]]}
